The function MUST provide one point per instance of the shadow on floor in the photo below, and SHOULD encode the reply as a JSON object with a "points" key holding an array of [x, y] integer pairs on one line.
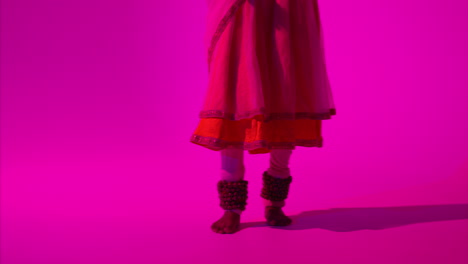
{"points": [[372, 218]]}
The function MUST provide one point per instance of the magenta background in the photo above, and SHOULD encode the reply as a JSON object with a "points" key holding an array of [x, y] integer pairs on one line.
{"points": [[99, 100]]}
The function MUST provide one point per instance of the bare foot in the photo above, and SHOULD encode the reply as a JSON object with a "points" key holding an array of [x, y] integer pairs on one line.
{"points": [[276, 217], [227, 224]]}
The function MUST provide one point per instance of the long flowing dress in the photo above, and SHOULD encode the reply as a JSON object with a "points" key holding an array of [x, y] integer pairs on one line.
{"points": [[268, 85]]}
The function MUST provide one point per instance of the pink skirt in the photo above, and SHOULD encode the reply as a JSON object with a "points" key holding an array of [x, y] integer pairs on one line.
{"points": [[266, 63]]}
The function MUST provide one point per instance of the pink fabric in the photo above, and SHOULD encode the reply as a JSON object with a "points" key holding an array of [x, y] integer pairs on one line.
{"points": [[266, 57], [217, 10], [279, 163]]}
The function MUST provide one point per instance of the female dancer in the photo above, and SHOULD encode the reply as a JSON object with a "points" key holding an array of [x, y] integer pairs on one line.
{"points": [[268, 92]]}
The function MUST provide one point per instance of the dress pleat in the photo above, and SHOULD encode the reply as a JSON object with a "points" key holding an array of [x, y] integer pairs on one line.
{"points": [[268, 85]]}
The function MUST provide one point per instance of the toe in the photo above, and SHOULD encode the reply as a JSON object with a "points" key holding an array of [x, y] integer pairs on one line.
{"points": [[273, 222], [218, 229], [215, 226], [231, 229]]}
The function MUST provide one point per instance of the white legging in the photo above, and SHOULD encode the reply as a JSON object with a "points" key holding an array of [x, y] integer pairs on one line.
{"points": [[233, 168]]}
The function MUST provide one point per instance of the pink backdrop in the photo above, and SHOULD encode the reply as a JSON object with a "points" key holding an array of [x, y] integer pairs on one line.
{"points": [[99, 100]]}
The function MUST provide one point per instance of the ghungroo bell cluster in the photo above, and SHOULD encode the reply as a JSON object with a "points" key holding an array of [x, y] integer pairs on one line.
{"points": [[233, 194], [275, 189]]}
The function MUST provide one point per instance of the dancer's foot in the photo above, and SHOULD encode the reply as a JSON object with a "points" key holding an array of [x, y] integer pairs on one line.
{"points": [[276, 217], [227, 224]]}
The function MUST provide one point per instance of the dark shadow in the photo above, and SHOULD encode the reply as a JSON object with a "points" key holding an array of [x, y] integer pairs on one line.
{"points": [[372, 218]]}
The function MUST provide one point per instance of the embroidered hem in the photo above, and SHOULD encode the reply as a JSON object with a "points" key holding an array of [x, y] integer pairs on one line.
{"points": [[219, 144], [268, 117]]}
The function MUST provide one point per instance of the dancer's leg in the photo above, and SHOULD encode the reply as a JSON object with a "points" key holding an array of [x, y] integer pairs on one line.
{"points": [[232, 166], [276, 181], [279, 168]]}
